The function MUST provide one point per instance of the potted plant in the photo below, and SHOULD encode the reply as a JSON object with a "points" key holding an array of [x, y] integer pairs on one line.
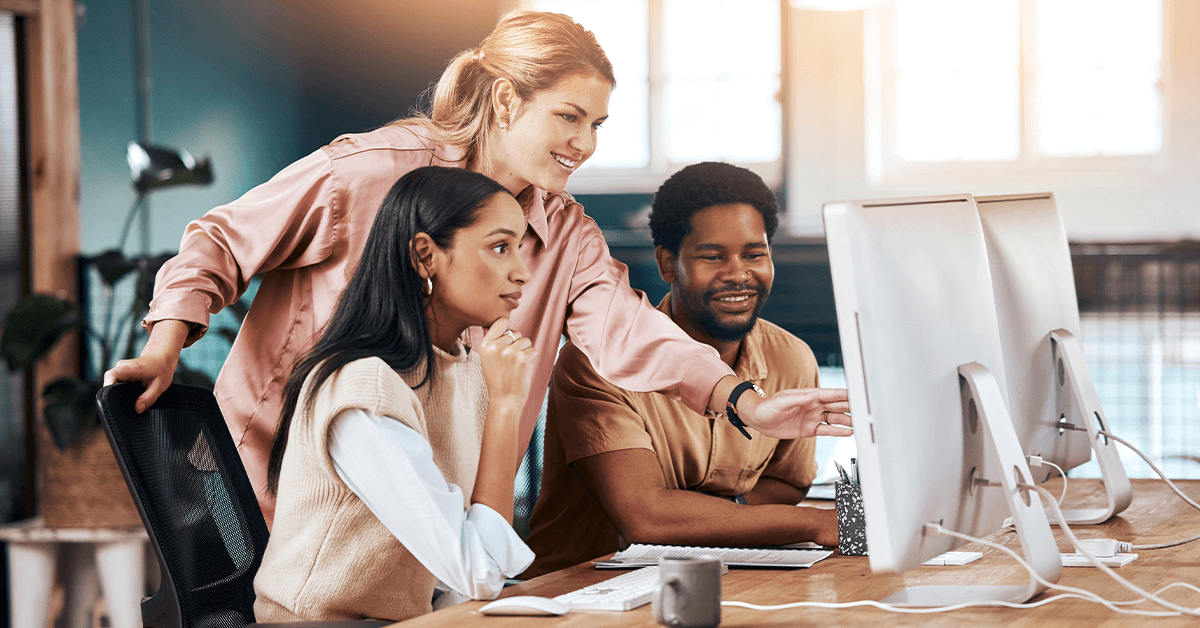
{"points": [[81, 485]]}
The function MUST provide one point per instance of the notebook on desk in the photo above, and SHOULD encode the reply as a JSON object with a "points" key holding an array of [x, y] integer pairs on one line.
{"points": [[824, 490], [643, 554]]}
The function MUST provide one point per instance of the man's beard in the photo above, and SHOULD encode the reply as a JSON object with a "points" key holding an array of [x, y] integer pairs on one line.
{"points": [[711, 324]]}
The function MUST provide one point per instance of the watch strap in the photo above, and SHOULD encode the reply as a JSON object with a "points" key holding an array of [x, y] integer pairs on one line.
{"points": [[731, 406]]}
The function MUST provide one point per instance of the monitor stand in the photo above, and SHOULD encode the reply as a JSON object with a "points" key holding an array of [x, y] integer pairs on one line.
{"points": [[1078, 403], [984, 404]]}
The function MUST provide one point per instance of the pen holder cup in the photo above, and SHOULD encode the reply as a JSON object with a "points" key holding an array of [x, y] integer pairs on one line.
{"points": [[852, 521]]}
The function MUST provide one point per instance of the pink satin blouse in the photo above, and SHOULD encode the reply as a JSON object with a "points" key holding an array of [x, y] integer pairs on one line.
{"points": [[304, 231]]}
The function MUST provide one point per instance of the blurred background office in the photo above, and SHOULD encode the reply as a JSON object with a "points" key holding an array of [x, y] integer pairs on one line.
{"points": [[1097, 101]]}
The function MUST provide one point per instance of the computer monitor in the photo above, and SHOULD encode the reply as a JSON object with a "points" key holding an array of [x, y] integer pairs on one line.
{"points": [[925, 374], [1038, 312]]}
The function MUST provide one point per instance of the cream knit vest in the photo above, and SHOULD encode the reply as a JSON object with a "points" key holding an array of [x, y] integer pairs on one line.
{"points": [[329, 557]]}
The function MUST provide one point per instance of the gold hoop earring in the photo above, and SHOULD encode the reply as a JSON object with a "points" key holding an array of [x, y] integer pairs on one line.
{"points": [[428, 286]]}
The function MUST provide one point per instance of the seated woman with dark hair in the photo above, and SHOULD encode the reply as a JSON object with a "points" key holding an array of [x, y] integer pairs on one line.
{"points": [[390, 423]]}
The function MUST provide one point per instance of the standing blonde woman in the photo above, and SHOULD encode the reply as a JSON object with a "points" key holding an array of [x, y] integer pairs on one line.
{"points": [[523, 108]]}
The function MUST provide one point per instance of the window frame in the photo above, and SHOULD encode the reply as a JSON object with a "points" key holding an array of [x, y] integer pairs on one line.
{"points": [[647, 179], [885, 168]]}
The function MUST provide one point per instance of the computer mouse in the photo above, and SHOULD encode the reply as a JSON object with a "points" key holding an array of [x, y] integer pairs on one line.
{"points": [[524, 605]]}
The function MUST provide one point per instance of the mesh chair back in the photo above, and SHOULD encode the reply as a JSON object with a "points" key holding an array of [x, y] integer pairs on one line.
{"points": [[196, 502]]}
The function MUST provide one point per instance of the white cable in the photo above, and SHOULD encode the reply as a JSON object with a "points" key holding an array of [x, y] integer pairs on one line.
{"points": [[1062, 522], [1157, 470], [1154, 546], [1069, 591], [943, 609], [1051, 585], [1037, 461], [1062, 474], [1171, 484], [934, 609], [1178, 584]]}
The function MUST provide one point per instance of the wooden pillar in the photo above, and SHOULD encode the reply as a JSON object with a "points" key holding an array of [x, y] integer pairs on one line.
{"points": [[54, 162], [54, 147]]}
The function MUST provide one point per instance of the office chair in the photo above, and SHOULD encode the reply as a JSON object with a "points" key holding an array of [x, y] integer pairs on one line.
{"points": [[197, 504]]}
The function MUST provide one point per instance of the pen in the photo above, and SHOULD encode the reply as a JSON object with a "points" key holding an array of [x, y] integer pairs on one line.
{"points": [[841, 472], [854, 471]]}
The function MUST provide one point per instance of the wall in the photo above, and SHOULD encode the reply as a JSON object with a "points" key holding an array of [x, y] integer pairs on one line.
{"points": [[255, 85], [212, 95], [827, 140]]}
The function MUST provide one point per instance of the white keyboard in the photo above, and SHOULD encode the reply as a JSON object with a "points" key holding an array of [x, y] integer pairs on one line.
{"points": [[619, 593]]}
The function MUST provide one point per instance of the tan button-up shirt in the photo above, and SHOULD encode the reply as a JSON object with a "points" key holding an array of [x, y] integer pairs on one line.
{"points": [[304, 231], [588, 415]]}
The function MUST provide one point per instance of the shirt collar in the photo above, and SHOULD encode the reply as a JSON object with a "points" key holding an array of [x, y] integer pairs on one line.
{"points": [[533, 203], [750, 365], [532, 199]]}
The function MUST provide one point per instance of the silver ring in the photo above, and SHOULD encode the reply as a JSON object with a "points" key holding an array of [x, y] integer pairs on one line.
{"points": [[509, 333]]}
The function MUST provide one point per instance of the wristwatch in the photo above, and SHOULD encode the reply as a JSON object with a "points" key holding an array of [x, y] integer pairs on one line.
{"points": [[731, 405]]}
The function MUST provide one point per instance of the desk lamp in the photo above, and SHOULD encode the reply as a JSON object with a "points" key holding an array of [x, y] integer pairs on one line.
{"points": [[152, 167]]}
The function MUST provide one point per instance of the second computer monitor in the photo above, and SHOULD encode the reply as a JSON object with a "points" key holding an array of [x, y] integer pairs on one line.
{"points": [[1038, 313]]}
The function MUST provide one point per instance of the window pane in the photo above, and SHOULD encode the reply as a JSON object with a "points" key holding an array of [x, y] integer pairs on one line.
{"points": [[1098, 71], [701, 123], [953, 33], [1099, 113], [624, 140], [958, 87], [958, 116], [721, 96], [621, 28], [1099, 32]]}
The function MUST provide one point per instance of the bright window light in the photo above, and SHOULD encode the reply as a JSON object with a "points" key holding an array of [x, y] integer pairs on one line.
{"points": [[958, 87], [621, 28], [696, 80], [1099, 62], [1023, 80], [722, 80]]}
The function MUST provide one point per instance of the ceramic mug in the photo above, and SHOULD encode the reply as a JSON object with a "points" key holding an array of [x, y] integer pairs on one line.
{"points": [[688, 594]]}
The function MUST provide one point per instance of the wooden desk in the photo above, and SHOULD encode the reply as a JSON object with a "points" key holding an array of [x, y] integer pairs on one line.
{"points": [[1156, 515]]}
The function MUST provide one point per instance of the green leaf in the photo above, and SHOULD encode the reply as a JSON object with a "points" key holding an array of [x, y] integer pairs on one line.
{"points": [[70, 408], [154, 262], [191, 377], [147, 271], [239, 309], [228, 333], [112, 266], [144, 292], [33, 327]]}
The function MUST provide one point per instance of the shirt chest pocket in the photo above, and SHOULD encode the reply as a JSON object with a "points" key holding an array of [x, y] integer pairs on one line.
{"points": [[735, 472]]}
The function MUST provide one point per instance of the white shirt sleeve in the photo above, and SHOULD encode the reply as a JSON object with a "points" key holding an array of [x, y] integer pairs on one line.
{"points": [[390, 467]]}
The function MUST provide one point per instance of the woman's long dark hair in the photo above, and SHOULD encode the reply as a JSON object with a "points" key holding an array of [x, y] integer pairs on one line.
{"points": [[381, 312]]}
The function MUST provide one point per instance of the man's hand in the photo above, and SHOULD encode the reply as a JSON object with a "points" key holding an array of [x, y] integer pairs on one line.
{"points": [[630, 487], [798, 413], [825, 526]]}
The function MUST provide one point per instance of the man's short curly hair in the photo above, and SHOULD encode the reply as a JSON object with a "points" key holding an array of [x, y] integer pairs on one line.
{"points": [[700, 186]]}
